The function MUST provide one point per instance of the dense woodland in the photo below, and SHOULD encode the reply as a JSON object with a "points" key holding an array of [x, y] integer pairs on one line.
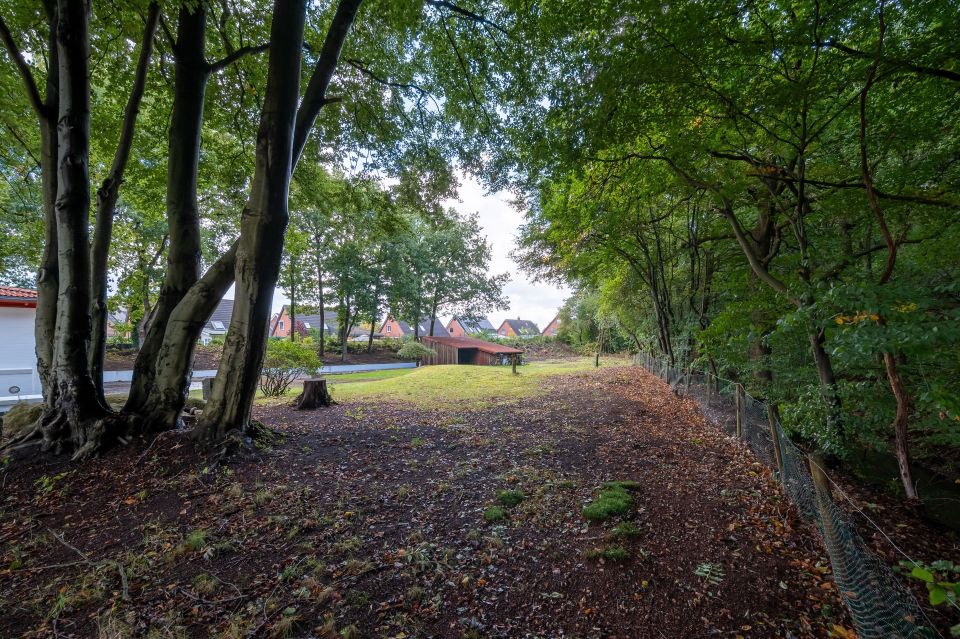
{"points": [[765, 190]]}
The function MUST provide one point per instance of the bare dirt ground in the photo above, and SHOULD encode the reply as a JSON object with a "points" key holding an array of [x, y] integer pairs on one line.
{"points": [[369, 520]]}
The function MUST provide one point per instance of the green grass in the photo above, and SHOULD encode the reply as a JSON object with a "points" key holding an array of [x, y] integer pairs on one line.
{"points": [[464, 387]]}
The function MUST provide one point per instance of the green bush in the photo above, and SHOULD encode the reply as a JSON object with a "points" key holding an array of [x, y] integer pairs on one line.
{"points": [[415, 351], [283, 363]]}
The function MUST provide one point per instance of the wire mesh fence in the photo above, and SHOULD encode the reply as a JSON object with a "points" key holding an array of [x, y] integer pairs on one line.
{"points": [[880, 605]]}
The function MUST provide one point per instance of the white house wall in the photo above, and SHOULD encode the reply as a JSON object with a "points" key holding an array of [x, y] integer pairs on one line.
{"points": [[18, 358]]}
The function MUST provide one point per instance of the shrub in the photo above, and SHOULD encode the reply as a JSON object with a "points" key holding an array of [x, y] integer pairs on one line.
{"points": [[415, 351], [615, 554], [283, 363]]}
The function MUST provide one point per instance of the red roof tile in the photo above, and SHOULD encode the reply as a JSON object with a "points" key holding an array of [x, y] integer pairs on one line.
{"points": [[13, 291], [470, 342]]}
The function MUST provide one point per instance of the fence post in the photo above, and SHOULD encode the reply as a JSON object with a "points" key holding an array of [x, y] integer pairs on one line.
{"points": [[206, 387], [739, 406], [775, 436], [820, 480]]}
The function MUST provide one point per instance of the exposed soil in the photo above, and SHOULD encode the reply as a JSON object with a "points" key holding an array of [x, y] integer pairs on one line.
{"points": [[205, 358], [370, 519]]}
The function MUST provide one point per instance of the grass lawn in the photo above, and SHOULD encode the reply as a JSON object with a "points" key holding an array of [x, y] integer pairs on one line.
{"points": [[465, 386]]}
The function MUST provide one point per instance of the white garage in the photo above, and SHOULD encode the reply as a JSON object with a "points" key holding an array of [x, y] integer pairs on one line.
{"points": [[18, 359]]}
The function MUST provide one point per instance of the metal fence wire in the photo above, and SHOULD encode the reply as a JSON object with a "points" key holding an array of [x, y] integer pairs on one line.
{"points": [[880, 605]]}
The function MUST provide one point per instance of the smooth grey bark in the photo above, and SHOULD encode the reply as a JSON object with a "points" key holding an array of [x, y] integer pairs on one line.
{"points": [[76, 419], [191, 73], [107, 203], [262, 229], [175, 359]]}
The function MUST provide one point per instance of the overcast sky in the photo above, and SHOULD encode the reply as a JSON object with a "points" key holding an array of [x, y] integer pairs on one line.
{"points": [[500, 221]]}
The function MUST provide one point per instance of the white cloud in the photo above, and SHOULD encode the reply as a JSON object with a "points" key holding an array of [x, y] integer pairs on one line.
{"points": [[534, 301]]}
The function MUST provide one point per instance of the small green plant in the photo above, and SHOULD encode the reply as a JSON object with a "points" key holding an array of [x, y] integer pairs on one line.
{"points": [[510, 498], [46, 484], [494, 513], [416, 442], [204, 584], [942, 579], [612, 501], [615, 554], [196, 540], [711, 573]]}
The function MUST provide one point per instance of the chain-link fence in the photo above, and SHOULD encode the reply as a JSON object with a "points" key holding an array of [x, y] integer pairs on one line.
{"points": [[880, 605]]}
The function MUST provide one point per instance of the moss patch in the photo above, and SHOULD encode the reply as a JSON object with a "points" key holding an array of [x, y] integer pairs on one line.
{"points": [[20, 418], [510, 498], [612, 501]]}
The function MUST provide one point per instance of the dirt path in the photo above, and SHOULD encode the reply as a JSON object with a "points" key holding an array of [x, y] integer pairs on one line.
{"points": [[371, 520]]}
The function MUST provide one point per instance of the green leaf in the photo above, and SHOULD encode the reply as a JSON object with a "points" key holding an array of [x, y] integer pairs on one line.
{"points": [[922, 573], [937, 595]]}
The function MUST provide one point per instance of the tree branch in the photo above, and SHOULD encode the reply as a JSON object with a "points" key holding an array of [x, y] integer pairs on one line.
{"points": [[316, 95], [33, 94], [229, 59], [465, 13], [953, 76]]}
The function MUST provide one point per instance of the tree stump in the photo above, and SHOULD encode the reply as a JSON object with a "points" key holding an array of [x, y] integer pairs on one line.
{"points": [[314, 395]]}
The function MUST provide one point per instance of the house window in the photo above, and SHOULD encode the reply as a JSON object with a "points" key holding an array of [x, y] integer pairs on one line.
{"points": [[306, 325], [389, 328], [503, 331], [217, 326], [281, 325]]}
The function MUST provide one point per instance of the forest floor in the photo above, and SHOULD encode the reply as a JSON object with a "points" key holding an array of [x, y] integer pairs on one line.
{"points": [[401, 519]]}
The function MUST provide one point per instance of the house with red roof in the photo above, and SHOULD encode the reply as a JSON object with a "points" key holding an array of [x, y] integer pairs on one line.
{"points": [[18, 357]]}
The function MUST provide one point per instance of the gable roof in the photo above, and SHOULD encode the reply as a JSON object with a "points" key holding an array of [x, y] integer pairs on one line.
{"points": [[220, 318], [424, 327], [522, 326], [471, 342], [482, 325]]}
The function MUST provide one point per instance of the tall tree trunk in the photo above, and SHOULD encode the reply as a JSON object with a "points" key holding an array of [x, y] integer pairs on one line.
{"points": [[183, 221], [107, 203], [262, 228], [76, 419]]}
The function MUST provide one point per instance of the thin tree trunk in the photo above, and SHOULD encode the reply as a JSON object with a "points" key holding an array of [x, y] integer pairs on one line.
{"points": [[107, 203], [902, 416], [262, 228], [183, 220], [323, 315], [293, 304]]}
